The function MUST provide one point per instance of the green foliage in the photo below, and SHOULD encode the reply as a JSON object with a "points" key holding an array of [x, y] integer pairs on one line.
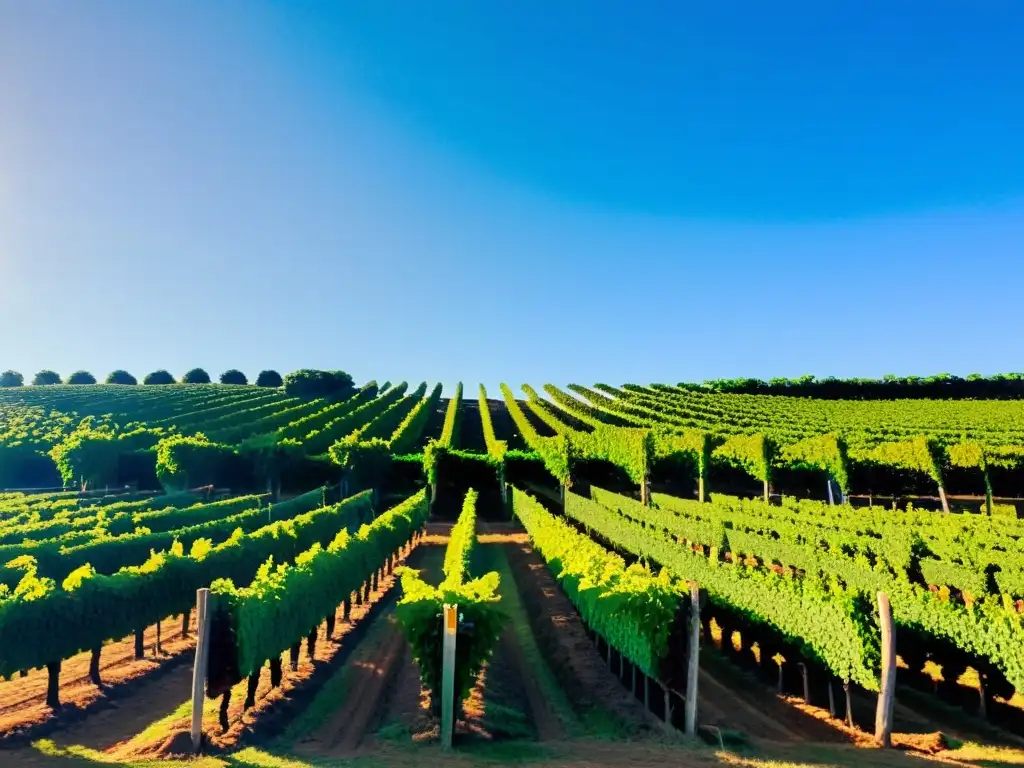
{"points": [[408, 433], [495, 448], [194, 376], [832, 625], [823, 452], [89, 454], [46, 377], [284, 602], [458, 557], [158, 377], [553, 451], [420, 611], [751, 453], [121, 377], [269, 378], [11, 379], [234, 376], [631, 608], [367, 460], [313, 383], [450, 431], [184, 462], [81, 377], [44, 621]]}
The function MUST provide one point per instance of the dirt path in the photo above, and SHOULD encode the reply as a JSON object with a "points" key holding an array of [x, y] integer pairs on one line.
{"points": [[23, 709], [371, 674], [593, 693]]}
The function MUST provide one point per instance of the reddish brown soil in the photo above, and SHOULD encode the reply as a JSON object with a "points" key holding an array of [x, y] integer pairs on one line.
{"points": [[380, 679], [23, 711], [561, 637], [274, 706]]}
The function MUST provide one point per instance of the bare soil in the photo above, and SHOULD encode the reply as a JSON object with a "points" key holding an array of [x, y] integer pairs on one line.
{"points": [[274, 707], [23, 710]]}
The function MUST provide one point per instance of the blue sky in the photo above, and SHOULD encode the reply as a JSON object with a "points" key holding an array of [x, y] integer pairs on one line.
{"points": [[518, 191]]}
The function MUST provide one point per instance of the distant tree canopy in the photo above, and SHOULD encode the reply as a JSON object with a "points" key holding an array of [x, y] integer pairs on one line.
{"points": [[81, 377], [158, 377], [11, 379], [121, 377], [311, 383], [269, 379], [234, 376], [46, 377], [1002, 386], [195, 376]]}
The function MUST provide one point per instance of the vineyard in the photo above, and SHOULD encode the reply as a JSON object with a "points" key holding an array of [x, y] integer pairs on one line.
{"points": [[633, 575]]}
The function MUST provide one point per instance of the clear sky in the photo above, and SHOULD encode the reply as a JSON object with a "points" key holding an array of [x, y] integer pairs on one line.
{"points": [[519, 191]]}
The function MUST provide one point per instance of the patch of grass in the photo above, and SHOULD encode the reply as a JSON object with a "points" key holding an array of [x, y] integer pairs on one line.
{"points": [[333, 692], [396, 733], [532, 655]]}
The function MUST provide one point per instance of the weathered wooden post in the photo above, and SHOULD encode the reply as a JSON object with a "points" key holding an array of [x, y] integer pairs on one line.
{"points": [[199, 670], [693, 662], [886, 696], [451, 617]]}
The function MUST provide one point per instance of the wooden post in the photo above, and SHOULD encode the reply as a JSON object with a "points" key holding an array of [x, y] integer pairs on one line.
{"points": [[294, 655], [94, 666], [140, 651], [250, 693], [53, 684], [668, 705], [700, 488], [849, 704], [807, 682], [157, 650], [945, 501], [831, 500], [645, 492], [451, 616], [883, 713], [767, 495], [831, 699], [693, 662], [632, 685], [647, 692], [199, 670], [185, 622], [225, 702]]}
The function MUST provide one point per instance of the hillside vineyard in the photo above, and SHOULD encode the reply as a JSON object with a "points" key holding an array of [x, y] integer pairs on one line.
{"points": [[293, 504]]}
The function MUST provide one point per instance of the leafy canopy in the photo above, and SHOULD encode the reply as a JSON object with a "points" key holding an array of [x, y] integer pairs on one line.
{"points": [[121, 377], [158, 377], [269, 379], [46, 377], [195, 376], [81, 377], [234, 376]]}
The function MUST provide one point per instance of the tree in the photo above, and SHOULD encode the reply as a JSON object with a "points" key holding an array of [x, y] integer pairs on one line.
{"points": [[88, 454], [81, 377], [195, 376], [312, 383], [11, 379], [158, 377], [121, 377], [234, 376], [45, 378], [269, 379]]}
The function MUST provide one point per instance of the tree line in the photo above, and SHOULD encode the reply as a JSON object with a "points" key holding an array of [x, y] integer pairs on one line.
{"points": [[46, 377], [1000, 386]]}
